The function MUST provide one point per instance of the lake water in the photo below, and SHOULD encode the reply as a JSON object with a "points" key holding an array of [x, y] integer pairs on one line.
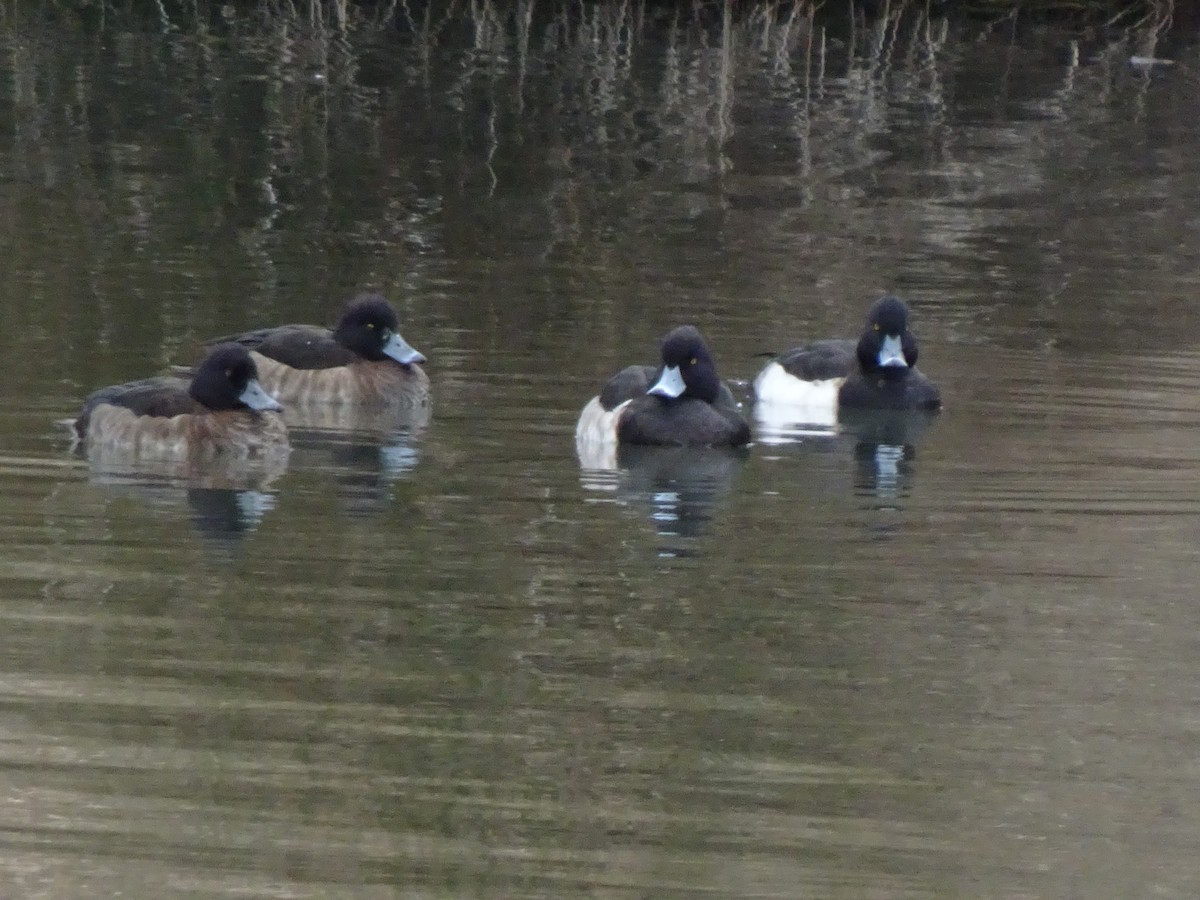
{"points": [[436, 657]]}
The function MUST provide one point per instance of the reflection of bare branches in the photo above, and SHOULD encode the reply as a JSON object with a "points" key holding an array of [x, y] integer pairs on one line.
{"points": [[524, 18], [310, 122], [1158, 15]]}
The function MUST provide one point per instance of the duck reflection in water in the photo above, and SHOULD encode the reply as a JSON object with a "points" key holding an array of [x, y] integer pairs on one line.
{"points": [[226, 515], [885, 444], [679, 488], [227, 499], [365, 450], [216, 436], [882, 443]]}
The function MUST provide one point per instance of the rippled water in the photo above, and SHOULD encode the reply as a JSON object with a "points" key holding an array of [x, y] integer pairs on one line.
{"points": [[911, 658]]}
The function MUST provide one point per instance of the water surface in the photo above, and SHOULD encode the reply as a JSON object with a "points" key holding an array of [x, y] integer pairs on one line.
{"points": [[440, 657]]}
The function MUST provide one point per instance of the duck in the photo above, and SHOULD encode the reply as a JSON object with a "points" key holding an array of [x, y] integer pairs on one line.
{"points": [[361, 361], [222, 412], [876, 372], [682, 403]]}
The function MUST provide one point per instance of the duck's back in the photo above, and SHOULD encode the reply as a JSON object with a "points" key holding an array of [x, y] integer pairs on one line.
{"points": [[820, 360], [596, 429], [630, 382], [296, 346], [160, 397], [807, 377]]}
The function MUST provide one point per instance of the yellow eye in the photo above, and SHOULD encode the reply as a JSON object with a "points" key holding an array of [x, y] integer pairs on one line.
{"points": [[876, 326], [693, 362], [372, 325]]}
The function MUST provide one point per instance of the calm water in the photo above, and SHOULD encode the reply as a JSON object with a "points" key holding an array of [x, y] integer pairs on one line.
{"points": [[438, 658]]}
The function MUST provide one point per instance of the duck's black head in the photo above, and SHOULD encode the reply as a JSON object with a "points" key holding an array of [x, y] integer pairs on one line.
{"points": [[688, 369], [228, 379], [369, 327], [887, 347]]}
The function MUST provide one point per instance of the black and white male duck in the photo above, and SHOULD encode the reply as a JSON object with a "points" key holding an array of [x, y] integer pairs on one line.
{"points": [[682, 403], [878, 372]]}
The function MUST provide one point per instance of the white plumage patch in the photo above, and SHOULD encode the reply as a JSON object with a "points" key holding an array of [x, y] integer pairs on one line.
{"points": [[596, 435], [776, 386], [787, 408]]}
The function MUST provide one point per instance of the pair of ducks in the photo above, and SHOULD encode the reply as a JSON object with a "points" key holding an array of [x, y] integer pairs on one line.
{"points": [[231, 405], [685, 403]]}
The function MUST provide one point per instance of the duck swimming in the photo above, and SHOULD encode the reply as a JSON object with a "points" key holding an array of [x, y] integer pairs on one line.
{"points": [[222, 411]]}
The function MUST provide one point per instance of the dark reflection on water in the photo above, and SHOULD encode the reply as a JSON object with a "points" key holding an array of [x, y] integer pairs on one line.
{"points": [[227, 498], [885, 451], [679, 488], [883, 471], [882, 445], [366, 451], [444, 660], [225, 514]]}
